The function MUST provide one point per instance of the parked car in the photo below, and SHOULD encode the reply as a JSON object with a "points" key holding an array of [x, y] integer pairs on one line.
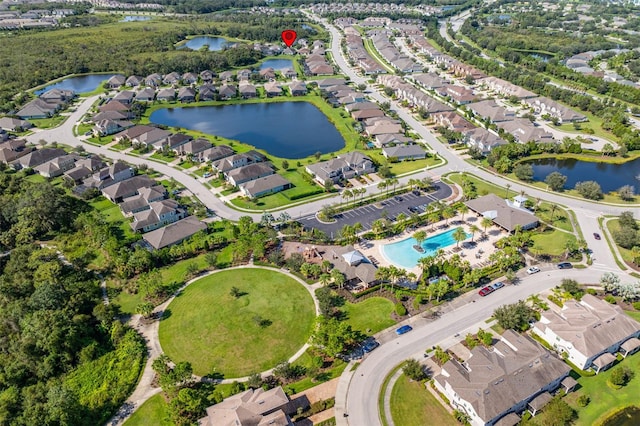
{"points": [[485, 290], [596, 235], [369, 346], [414, 210], [497, 285], [404, 329], [397, 198], [565, 265], [533, 270], [206, 175], [415, 192], [89, 133]]}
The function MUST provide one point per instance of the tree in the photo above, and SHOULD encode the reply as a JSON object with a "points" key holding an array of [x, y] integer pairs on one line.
{"points": [[459, 235], [382, 185], [463, 209], [507, 186], [334, 337], [473, 229], [324, 279], [420, 236], [589, 189], [448, 213], [346, 194], [285, 165], [555, 181], [145, 309], [515, 316], [557, 413], [524, 171], [486, 223], [235, 292], [441, 356], [414, 370], [627, 192], [211, 258], [337, 277], [608, 149]]}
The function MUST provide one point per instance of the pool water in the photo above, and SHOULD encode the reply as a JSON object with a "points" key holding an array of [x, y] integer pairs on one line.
{"points": [[403, 254]]}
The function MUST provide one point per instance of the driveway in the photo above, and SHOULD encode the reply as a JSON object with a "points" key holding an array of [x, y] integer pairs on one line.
{"points": [[393, 206]]}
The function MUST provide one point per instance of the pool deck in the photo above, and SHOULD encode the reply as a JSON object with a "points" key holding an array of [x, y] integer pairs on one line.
{"points": [[477, 256]]}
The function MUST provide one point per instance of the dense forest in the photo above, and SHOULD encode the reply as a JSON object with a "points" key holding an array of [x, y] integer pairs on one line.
{"points": [[64, 358]]}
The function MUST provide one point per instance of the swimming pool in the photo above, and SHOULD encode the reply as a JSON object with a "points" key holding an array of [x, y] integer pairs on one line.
{"points": [[405, 256]]}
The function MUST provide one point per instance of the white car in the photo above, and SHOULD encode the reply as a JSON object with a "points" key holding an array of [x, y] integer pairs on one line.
{"points": [[533, 270]]}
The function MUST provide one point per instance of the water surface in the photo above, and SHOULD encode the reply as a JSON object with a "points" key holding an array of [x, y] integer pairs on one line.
{"points": [[196, 43], [79, 84]]}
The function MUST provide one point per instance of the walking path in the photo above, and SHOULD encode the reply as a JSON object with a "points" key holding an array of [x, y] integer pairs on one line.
{"points": [[149, 330]]}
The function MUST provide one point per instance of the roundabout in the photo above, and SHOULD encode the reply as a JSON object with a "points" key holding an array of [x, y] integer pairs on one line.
{"points": [[237, 322]]}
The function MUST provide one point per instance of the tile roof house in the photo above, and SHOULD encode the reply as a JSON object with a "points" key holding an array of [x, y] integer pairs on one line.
{"points": [[216, 153], [37, 157], [116, 81], [127, 188], [247, 90], [57, 166], [227, 91], [186, 94], [166, 94], [404, 152], [134, 81], [174, 233], [504, 213], [298, 88], [265, 185], [249, 172], [140, 202], [14, 124], [514, 374], [344, 166], [147, 94], [125, 97], [354, 265], [193, 147], [37, 108], [250, 408], [589, 331], [160, 213], [483, 139]]}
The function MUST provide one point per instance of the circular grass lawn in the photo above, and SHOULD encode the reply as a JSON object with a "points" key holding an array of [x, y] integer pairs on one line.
{"points": [[217, 332]]}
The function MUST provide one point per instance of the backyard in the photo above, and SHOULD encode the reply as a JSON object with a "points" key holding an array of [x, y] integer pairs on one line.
{"points": [[265, 322], [412, 405], [369, 316]]}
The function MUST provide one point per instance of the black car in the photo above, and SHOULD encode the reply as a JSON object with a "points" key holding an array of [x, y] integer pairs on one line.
{"points": [[565, 265], [416, 192], [414, 210]]}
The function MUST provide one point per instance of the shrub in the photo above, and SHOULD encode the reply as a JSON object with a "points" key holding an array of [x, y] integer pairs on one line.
{"points": [[583, 400], [592, 291], [414, 370], [636, 306], [400, 309], [609, 298]]}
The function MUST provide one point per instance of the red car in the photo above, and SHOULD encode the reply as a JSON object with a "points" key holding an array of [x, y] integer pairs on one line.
{"points": [[485, 290]]}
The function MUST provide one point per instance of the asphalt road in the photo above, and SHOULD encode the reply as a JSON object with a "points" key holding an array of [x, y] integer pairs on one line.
{"points": [[390, 207]]}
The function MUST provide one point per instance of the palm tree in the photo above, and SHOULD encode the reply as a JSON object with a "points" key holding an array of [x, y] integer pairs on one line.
{"points": [[463, 209], [426, 263], [337, 277], [420, 236], [326, 266], [394, 182], [284, 217], [447, 214], [473, 229], [459, 235], [486, 222], [324, 279], [346, 194], [382, 185], [401, 220], [635, 254], [357, 227], [379, 227], [507, 193], [553, 207]]}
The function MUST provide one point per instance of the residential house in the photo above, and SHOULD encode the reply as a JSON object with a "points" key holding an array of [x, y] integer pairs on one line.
{"points": [[345, 166], [216, 153], [264, 185], [189, 78], [110, 127], [186, 94], [171, 78], [524, 131], [57, 166], [116, 81], [111, 175], [147, 94], [482, 139], [273, 89], [247, 173], [226, 76], [247, 90], [132, 133], [83, 169], [155, 138], [206, 92], [289, 73], [227, 91], [404, 152], [360, 106], [37, 108], [506, 88], [177, 139], [490, 110], [160, 213], [506, 214], [173, 233], [298, 88], [390, 138], [109, 115], [58, 96], [116, 106], [14, 124], [384, 127], [589, 332], [257, 407], [134, 81], [244, 74], [453, 121], [458, 94], [429, 81], [193, 148], [12, 149], [153, 80], [496, 383], [140, 202], [363, 114], [207, 76], [233, 162], [267, 73], [127, 188], [37, 157], [166, 94], [543, 105], [125, 97]]}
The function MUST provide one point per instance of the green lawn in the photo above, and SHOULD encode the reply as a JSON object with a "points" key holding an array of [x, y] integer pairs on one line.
{"points": [[560, 216], [413, 405], [372, 314], [153, 412], [605, 400], [46, 123], [112, 214], [633, 314], [217, 332], [551, 242], [613, 225]]}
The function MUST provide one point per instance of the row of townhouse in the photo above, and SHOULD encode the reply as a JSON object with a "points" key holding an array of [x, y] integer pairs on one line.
{"points": [[392, 55], [359, 55]]}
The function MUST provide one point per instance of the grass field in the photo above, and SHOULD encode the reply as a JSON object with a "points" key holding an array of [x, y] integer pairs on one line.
{"points": [[550, 242], [613, 225], [371, 315], [605, 400], [153, 412], [219, 333], [560, 216], [413, 405]]}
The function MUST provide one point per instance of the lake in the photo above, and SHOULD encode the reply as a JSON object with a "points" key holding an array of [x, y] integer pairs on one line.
{"points": [[609, 176], [284, 129], [196, 43], [630, 416], [79, 84], [135, 18], [277, 64]]}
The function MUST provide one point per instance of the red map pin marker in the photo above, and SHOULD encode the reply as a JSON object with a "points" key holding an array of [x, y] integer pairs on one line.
{"points": [[289, 36]]}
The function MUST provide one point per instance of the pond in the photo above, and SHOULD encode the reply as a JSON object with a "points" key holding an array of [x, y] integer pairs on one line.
{"points": [[284, 129], [609, 176], [79, 84], [630, 416], [135, 18], [277, 64], [196, 43]]}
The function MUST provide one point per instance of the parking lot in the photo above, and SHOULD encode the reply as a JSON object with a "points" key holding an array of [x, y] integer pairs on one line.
{"points": [[390, 208]]}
